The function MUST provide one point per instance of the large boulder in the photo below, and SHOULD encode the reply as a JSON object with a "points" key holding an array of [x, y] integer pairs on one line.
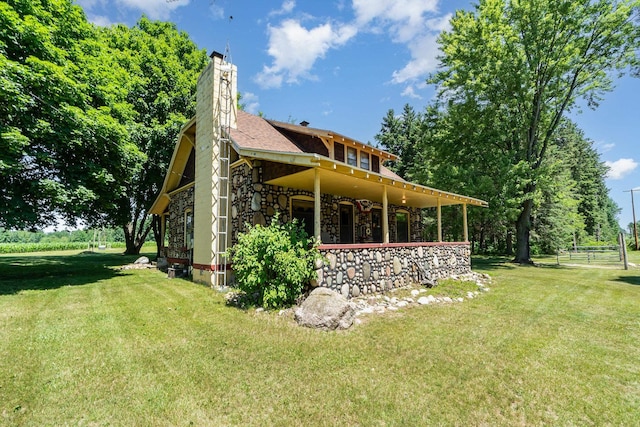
{"points": [[325, 309]]}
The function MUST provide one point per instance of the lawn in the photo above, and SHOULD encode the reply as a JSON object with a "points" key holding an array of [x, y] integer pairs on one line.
{"points": [[85, 343]]}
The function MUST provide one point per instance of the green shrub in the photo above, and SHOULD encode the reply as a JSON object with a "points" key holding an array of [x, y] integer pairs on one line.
{"points": [[274, 263]]}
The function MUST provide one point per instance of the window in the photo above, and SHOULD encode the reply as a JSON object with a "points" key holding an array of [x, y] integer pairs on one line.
{"points": [[346, 224], [188, 229], [402, 227], [302, 210], [165, 231], [338, 151], [364, 160], [375, 164], [352, 156]]}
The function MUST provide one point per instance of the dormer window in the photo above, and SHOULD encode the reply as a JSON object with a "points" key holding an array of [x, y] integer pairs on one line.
{"points": [[364, 160], [375, 163], [352, 156], [339, 151]]}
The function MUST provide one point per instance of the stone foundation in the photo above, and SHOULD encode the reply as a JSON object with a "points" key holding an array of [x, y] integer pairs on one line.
{"points": [[361, 269]]}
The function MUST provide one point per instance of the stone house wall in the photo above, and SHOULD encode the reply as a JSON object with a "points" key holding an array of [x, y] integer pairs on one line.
{"points": [[180, 203], [355, 270]]}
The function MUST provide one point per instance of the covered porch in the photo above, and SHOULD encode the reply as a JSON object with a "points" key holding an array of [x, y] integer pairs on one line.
{"points": [[377, 198]]}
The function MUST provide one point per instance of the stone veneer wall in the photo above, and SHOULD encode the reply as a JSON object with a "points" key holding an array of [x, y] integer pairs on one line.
{"points": [[355, 270], [253, 202], [180, 203]]}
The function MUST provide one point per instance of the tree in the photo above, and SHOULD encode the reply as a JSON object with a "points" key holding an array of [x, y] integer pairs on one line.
{"points": [[53, 120], [517, 67], [162, 66]]}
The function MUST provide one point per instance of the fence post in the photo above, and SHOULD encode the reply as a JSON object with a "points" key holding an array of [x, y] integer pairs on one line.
{"points": [[624, 251]]}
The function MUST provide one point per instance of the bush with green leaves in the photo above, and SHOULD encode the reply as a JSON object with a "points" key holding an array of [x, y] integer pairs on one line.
{"points": [[274, 263]]}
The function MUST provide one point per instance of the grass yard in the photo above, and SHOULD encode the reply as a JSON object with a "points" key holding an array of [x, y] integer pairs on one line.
{"points": [[83, 343]]}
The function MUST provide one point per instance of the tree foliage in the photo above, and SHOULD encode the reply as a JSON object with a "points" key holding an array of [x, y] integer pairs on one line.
{"points": [[52, 121], [510, 72], [88, 115], [572, 203]]}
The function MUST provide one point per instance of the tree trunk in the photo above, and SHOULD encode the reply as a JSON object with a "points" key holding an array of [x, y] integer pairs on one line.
{"points": [[134, 237], [130, 240], [157, 234], [523, 228], [509, 242]]}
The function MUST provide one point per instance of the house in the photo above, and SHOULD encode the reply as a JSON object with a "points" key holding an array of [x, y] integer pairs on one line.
{"points": [[231, 168]]}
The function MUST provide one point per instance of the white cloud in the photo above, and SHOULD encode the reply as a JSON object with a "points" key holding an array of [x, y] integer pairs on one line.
{"points": [[154, 9], [101, 21], [287, 7], [604, 147], [620, 168], [413, 23], [250, 101], [217, 12], [295, 49], [423, 60], [410, 92]]}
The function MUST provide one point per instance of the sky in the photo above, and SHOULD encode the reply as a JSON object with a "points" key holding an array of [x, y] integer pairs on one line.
{"points": [[343, 64]]}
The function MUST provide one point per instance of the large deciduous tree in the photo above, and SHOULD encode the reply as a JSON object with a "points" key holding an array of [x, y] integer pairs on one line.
{"points": [[61, 148], [515, 68], [162, 66], [88, 116]]}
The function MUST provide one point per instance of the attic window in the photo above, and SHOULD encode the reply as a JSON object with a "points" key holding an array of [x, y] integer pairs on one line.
{"points": [[339, 151], [364, 160], [375, 163], [352, 156]]}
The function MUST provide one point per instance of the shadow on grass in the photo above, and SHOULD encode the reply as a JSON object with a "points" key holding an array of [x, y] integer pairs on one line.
{"points": [[485, 262], [631, 280], [41, 272]]}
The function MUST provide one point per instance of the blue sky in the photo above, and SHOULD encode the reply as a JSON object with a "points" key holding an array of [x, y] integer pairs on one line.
{"points": [[342, 64]]}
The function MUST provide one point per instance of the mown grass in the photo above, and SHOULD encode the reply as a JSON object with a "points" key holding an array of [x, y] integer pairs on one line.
{"points": [[84, 343]]}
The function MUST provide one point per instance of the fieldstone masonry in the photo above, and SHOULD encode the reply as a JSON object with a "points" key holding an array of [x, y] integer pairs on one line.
{"points": [[180, 203], [352, 270], [365, 269]]}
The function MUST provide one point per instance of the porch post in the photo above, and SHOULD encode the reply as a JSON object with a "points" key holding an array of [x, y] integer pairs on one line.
{"points": [[316, 206], [465, 228], [385, 215], [439, 221]]}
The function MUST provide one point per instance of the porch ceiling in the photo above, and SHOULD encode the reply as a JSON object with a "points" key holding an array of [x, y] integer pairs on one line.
{"points": [[359, 184]]}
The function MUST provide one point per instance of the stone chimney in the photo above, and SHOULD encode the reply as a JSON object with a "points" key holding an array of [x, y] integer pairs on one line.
{"points": [[216, 101]]}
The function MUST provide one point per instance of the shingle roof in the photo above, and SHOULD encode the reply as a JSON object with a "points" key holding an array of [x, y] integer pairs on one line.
{"points": [[256, 133]]}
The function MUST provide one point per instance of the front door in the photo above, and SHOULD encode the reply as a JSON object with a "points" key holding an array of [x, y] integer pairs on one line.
{"points": [[376, 225], [346, 224]]}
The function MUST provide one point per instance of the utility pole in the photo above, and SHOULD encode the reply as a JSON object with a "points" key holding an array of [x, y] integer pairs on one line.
{"points": [[633, 212]]}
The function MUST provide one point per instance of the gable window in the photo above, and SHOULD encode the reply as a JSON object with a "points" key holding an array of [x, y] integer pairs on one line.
{"points": [[364, 160], [352, 156], [375, 163], [402, 227], [338, 151]]}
